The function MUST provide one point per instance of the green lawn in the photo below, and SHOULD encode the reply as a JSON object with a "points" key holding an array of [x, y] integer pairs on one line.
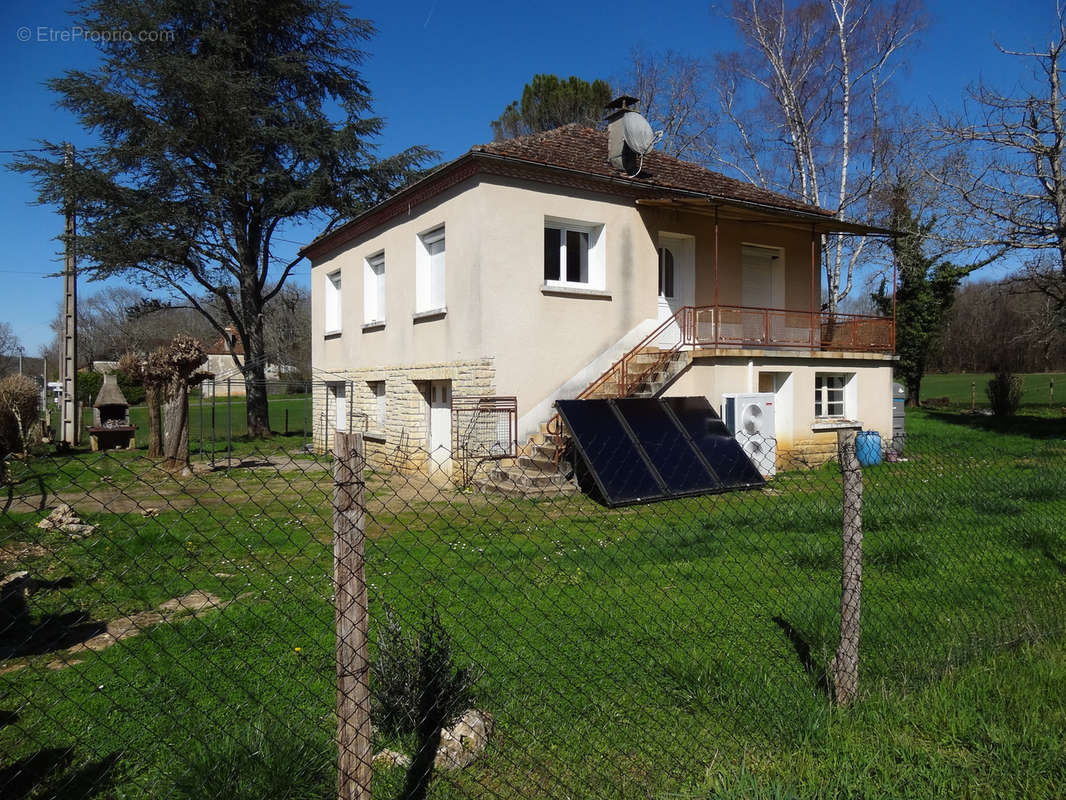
{"points": [[1037, 389], [227, 418], [672, 650]]}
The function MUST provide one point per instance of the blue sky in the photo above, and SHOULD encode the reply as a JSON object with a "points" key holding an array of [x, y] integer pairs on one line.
{"points": [[440, 70]]}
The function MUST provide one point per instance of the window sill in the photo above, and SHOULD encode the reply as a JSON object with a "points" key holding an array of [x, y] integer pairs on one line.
{"points": [[431, 314], [828, 424], [335, 334], [574, 291], [378, 325], [375, 436]]}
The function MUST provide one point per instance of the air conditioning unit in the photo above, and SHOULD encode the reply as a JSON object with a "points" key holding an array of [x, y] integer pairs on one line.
{"points": [[750, 418]]}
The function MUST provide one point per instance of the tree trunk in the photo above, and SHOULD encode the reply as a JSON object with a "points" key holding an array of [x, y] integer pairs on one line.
{"points": [[176, 426], [256, 397], [914, 393], [254, 368], [154, 401]]}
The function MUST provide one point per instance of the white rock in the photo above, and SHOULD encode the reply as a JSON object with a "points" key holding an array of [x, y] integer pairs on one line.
{"points": [[391, 758], [463, 743]]}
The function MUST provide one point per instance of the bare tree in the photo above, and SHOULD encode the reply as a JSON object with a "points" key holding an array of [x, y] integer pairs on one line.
{"points": [[1010, 174], [288, 330], [806, 101], [9, 342], [673, 89]]}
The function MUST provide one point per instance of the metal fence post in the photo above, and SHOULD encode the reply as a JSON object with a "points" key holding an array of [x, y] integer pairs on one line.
{"points": [[354, 752], [845, 666]]}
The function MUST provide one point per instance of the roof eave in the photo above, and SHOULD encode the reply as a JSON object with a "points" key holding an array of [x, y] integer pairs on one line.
{"points": [[825, 221], [822, 221]]}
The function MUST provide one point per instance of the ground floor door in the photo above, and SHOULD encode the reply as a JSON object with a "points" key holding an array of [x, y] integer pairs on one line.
{"points": [[677, 284], [439, 428]]}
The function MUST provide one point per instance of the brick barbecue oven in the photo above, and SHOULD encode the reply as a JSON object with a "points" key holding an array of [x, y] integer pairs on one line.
{"points": [[111, 428]]}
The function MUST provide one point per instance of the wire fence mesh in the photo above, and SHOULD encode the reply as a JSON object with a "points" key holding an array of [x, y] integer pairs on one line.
{"points": [[172, 634]]}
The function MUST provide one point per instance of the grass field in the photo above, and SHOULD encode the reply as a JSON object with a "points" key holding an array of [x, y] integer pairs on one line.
{"points": [[1038, 389], [671, 650], [214, 423]]}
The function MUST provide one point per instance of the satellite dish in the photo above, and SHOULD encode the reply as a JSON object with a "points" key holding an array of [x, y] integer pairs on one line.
{"points": [[637, 133]]}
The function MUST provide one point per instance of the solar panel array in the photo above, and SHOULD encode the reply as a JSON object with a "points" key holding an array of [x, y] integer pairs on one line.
{"points": [[639, 450]]}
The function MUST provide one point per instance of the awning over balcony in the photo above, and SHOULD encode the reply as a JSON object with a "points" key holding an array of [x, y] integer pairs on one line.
{"points": [[753, 212]]}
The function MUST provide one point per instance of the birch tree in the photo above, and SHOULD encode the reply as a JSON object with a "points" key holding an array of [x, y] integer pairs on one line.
{"points": [[806, 100]]}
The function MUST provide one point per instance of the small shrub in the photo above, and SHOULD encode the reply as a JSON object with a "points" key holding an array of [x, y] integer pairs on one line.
{"points": [[411, 671], [1005, 393], [417, 690], [265, 759], [20, 406], [937, 402], [89, 384]]}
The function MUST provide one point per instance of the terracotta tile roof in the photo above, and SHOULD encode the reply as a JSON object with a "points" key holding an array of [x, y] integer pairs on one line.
{"points": [[582, 153], [221, 347], [585, 150]]}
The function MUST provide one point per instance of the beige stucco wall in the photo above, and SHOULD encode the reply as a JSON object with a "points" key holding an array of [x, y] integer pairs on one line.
{"points": [[868, 400], [535, 338]]}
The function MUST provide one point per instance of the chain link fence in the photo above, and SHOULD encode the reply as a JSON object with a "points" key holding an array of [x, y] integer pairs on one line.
{"points": [[174, 635]]}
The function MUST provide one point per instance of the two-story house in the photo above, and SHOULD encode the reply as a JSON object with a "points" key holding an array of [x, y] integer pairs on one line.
{"points": [[542, 268]]}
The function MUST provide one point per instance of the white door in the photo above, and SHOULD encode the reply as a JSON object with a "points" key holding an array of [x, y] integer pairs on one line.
{"points": [[439, 440], [340, 406], [676, 285], [763, 277]]}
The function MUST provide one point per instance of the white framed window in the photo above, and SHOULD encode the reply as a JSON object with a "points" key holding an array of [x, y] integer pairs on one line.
{"points": [[430, 271], [377, 390], [332, 299], [573, 254], [666, 273], [834, 394], [338, 401], [374, 288]]}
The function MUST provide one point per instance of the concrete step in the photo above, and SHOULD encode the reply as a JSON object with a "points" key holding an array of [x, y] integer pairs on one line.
{"points": [[526, 492], [528, 478], [547, 451], [538, 463]]}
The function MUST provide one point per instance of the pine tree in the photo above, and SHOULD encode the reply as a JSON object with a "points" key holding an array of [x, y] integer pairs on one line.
{"points": [[215, 123], [549, 102]]}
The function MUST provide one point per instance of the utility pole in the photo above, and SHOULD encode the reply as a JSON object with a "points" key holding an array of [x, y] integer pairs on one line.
{"points": [[68, 369]]}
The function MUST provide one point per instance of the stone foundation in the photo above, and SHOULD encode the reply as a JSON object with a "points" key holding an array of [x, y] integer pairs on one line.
{"points": [[401, 444]]}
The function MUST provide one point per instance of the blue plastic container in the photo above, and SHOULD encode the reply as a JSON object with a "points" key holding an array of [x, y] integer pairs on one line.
{"points": [[868, 448]]}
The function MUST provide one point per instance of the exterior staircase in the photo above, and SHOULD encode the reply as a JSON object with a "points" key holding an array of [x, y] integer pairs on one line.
{"points": [[645, 371]]}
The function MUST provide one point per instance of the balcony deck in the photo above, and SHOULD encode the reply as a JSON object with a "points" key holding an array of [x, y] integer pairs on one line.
{"points": [[722, 327]]}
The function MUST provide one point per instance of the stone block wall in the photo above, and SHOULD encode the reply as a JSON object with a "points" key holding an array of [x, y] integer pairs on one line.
{"points": [[402, 444]]}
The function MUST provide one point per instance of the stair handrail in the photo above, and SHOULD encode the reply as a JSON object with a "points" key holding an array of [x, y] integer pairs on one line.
{"points": [[681, 318]]}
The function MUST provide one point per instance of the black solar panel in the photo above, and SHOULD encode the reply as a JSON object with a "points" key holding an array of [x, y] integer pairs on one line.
{"points": [[617, 466], [712, 439], [643, 449], [668, 450]]}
